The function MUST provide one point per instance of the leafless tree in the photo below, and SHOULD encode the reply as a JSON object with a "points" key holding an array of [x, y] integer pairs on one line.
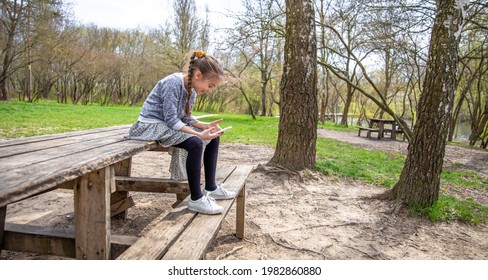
{"points": [[297, 134]]}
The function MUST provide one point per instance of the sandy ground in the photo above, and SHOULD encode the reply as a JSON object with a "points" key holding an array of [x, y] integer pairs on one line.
{"points": [[307, 216]]}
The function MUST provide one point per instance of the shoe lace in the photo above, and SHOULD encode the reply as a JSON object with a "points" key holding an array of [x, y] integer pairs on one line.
{"points": [[208, 200], [222, 190]]}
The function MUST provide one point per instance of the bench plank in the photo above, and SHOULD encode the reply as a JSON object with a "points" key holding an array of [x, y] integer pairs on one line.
{"points": [[369, 130], [193, 242], [3, 215], [154, 244], [157, 185], [50, 241]]}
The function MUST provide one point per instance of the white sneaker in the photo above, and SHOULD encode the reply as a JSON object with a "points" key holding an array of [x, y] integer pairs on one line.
{"points": [[205, 205], [220, 193]]}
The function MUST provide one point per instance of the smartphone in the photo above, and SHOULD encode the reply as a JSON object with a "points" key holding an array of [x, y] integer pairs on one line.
{"points": [[222, 130]]}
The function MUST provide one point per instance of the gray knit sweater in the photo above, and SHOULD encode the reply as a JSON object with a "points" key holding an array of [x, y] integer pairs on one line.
{"points": [[166, 103]]}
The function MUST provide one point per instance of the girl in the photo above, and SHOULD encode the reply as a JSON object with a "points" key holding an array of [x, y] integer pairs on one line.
{"points": [[166, 117]]}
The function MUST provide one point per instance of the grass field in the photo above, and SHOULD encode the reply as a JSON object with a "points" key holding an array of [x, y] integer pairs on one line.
{"points": [[334, 158], [22, 119]]}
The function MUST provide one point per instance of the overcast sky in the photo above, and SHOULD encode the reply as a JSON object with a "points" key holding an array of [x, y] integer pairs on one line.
{"points": [[145, 14]]}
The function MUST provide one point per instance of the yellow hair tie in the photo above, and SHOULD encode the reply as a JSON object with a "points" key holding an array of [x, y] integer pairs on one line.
{"points": [[200, 54]]}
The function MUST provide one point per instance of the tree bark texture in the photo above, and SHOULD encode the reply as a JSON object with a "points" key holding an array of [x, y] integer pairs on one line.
{"points": [[420, 179], [297, 136]]}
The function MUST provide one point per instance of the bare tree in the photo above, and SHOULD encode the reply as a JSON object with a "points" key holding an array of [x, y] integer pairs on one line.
{"points": [[297, 136], [13, 13], [256, 37], [186, 29], [420, 178]]}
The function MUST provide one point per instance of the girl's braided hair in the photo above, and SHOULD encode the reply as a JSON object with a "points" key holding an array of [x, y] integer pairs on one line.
{"points": [[207, 65]]}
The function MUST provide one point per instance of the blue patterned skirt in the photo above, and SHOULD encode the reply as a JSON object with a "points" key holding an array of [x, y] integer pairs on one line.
{"points": [[166, 137]]}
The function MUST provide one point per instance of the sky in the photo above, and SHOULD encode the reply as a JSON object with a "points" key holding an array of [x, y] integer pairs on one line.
{"points": [[144, 14]]}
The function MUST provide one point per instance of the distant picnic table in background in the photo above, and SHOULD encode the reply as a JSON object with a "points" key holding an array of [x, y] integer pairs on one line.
{"points": [[382, 127]]}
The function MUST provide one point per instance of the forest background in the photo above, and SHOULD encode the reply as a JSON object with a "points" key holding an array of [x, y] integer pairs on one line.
{"points": [[371, 54]]}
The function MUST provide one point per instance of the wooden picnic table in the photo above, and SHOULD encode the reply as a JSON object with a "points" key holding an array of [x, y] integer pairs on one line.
{"points": [[96, 164], [382, 127], [87, 161], [380, 123]]}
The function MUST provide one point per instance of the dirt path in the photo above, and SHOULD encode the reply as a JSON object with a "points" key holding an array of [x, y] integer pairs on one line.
{"points": [[322, 218], [310, 216]]}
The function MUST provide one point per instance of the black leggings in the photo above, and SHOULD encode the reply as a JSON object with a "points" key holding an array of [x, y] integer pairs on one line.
{"points": [[194, 147]]}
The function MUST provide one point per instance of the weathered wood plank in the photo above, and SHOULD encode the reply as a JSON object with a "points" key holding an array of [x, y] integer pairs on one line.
{"points": [[369, 130], [121, 206], [50, 241], [160, 149], [157, 185], [92, 214], [123, 168], [33, 147], [26, 140], [155, 243], [48, 154], [241, 212], [193, 242], [179, 199], [3, 214], [21, 183]]}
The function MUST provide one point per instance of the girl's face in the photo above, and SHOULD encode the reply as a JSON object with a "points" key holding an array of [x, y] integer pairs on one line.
{"points": [[204, 85]]}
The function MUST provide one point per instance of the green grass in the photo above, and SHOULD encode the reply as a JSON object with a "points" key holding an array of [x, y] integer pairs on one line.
{"points": [[381, 168], [345, 160], [448, 208], [334, 158], [461, 177], [262, 131], [22, 119], [337, 127]]}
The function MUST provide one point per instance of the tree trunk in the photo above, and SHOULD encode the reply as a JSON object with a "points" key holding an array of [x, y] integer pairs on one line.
{"points": [[264, 84], [420, 178], [297, 136], [347, 105]]}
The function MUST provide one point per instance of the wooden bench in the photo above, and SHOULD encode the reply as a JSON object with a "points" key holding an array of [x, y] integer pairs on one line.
{"points": [[394, 134], [97, 165], [185, 235], [369, 131]]}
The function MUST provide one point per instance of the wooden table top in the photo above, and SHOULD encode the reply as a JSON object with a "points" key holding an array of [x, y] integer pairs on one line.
{"points": [[382, 120], [33, 165]]}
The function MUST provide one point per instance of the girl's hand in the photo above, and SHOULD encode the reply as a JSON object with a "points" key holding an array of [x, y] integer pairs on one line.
{"points": [[207, 134], [215, 125]]}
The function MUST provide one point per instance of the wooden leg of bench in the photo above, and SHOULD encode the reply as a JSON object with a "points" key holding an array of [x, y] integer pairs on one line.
{"points": [[240, 212], [179, 198], [3, 215], [92, 214], [122, 168]]}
